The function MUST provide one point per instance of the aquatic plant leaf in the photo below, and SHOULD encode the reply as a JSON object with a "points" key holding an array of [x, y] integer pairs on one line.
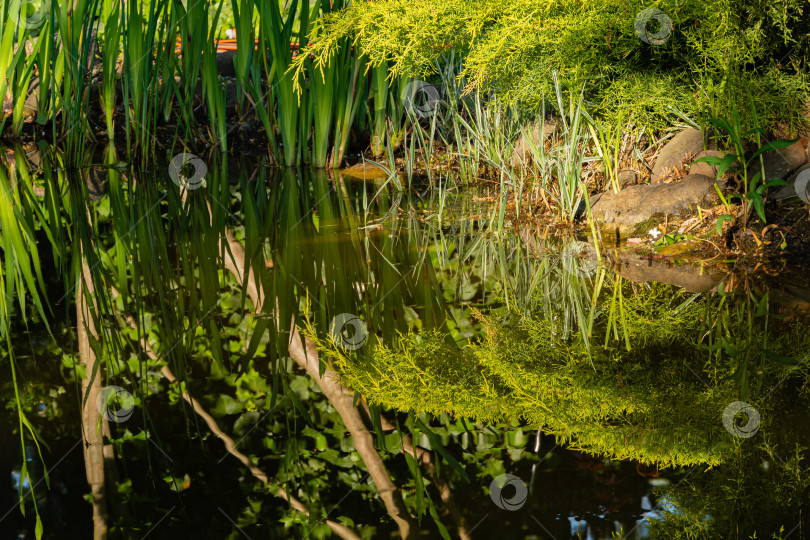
{"points": [[436, 444], [782, 359], [722, 219]]}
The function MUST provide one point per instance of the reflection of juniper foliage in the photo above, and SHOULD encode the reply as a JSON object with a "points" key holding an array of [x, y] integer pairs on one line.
{"points": [[647, 404], [759, 489], [512, 47]]}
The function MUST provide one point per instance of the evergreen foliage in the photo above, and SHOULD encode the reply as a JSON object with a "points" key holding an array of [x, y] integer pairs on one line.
{"points": [[661, 402], [716, 49]]}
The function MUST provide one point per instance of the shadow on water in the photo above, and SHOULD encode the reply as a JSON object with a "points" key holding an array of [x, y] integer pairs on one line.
{"points": [[506, 383]]}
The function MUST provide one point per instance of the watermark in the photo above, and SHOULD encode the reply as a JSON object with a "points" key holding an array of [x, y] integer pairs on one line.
{"points": [[517, 500], [30, 17], [802, 185], [580, 258], [349, 340], [647, 20], [730, 419], [115, 404], [421, 99], [192, 182]]}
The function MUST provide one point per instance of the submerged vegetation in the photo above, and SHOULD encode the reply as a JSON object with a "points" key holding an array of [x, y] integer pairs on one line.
{"points": [[160, 317], [475, 337]]}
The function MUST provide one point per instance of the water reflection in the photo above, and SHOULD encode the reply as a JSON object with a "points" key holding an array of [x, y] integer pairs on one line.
{"points": [[463, 352]]}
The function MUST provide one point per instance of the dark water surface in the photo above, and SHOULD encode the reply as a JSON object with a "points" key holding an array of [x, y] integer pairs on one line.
{"points": [[551, 394]]}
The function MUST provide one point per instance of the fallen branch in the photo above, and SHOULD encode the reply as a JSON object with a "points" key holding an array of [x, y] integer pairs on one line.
{"points": [[425, 459], [304, 354], [94, 425]]}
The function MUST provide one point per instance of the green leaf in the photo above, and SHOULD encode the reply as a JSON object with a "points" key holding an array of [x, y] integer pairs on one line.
{"points": [[224, 405], [722, 124], [255, 339], [437, 444], [439, 524], [714, 161], [724, 164], [775, 145], [759, 206], [759, 131], [775, 182], [419, 484], [781, 358], [722, 219]]}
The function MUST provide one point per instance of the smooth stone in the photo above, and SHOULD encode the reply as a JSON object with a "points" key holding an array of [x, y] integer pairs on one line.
{"points": [[626, 178], [364, 170], [692, 277], [633, 205], [689, 142], [780, 163], [523, 146], [225, 65], [705, 168]]}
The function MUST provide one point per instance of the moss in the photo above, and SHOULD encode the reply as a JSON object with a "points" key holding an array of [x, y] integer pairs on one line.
{"points": [[642, 229]]}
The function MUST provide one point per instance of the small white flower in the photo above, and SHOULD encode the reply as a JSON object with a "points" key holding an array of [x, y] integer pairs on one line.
{"points": [[655, 233]]}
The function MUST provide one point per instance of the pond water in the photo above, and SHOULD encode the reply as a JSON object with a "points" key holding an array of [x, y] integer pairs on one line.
{"points": [[547, 388]]}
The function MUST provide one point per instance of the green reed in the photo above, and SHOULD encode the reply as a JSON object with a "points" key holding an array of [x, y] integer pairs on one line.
{"points": [[212, 89], [379, 93], [277, 34], [322, 94], [111, 15], [141, 74], [17, 67]]}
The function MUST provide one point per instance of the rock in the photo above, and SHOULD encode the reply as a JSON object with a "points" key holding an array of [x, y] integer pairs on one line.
{"points": [[225, 66], [796, 298], [364, 170], [780, 163], [622, 212], [523, 146], [693, 277], [799, 185], [704, 168], [626, 178], [688, 142]]}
